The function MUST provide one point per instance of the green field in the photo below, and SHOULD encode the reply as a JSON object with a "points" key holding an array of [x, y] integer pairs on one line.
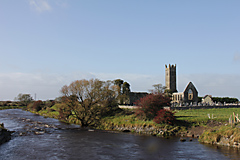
{"points": [[202, 115], [192, 116]]}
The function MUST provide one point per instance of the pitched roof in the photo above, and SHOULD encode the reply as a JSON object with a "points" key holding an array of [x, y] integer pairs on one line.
{"points": [[207, 96], [190, 86]]}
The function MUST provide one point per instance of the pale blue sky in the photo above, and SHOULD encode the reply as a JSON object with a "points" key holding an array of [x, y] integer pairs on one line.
{"points": [[45, 44]]}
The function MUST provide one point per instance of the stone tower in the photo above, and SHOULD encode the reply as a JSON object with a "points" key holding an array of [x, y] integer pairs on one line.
{"points": [[170, 77]]}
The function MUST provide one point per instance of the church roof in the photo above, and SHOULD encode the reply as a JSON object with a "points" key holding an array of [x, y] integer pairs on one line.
{"points": [[190, 86]]}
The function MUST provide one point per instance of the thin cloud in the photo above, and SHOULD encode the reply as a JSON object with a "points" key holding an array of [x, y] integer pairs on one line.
{"points": [[62, 4], [40, 5], [236, 57], [47, 86], [222, 85]]}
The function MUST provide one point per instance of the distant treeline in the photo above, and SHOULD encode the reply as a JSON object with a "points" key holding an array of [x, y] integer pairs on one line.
{"points": [[222, 100], [20, 103], [10, 103]]}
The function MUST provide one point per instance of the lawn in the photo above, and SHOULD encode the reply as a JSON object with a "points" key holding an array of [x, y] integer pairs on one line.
{"points": [[203, 115]]}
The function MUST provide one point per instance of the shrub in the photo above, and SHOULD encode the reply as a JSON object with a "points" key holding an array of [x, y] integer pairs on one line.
{"points": [[49, 104], [164, 116], [36, 106], [150, 105]]}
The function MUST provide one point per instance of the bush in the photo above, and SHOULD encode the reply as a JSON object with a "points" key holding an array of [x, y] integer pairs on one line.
{"points": [[164, 116], [49, 104], [36, 106], [150, 105]]}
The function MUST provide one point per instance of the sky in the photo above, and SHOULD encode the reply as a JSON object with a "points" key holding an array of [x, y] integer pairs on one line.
{"points": [[46, 44]]}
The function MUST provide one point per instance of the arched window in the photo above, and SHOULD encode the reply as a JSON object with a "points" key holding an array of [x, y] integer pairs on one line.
{"points": [[190, 94]]}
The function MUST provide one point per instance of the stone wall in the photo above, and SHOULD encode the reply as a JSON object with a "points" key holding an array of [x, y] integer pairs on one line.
{"points": [[134, 96]]}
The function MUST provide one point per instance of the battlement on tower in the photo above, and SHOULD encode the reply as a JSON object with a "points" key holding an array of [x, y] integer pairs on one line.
{"points": [[170, 77], [170, 66]]}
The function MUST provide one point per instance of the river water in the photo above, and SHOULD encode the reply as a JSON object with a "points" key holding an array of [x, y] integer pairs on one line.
{"points": [[36, 137]]}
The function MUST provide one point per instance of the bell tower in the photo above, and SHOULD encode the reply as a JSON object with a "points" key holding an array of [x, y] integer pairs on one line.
{"points": [[170, 77]]}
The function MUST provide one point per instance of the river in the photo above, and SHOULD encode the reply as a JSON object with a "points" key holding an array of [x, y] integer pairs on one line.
{"points": [[38, 138]]}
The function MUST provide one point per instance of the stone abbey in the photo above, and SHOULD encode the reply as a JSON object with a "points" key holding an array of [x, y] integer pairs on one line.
{"points": [[188, 96]]}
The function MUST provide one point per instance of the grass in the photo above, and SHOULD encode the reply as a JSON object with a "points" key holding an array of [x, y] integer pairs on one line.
{"points": [[12, 107], [202, 115], [49, 112], [128, 120], [213, 136], [191, 117]]}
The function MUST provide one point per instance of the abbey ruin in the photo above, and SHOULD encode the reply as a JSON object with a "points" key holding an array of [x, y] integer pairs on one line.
{"points": [[188, 96]]}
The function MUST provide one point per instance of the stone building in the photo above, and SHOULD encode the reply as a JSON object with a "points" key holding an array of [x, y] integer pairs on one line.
{"points": [[188, 96], [207, 100], [131, 98], [170, 78], [134, 96]]}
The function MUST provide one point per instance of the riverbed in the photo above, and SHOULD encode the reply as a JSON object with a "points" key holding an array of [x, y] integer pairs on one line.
{"points": [[36, 137]]}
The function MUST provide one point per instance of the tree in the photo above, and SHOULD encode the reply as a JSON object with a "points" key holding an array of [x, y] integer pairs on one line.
{"points": [[168, 92], [88, 100], [118, 83], [25, 99], [150, 105], [123, 89], [164, 116], [225, 99], [126, 88], [158, 88], [36, 106]]}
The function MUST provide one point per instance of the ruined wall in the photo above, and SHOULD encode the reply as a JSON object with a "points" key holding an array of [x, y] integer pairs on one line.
{"points": [[134, 96]]}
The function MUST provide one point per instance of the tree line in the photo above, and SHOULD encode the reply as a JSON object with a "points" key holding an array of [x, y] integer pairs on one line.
{"points": [[221, 100]]}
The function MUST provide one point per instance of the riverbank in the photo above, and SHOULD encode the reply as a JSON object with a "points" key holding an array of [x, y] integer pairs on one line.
{"points": [[224, 136], [195, 123], [126, 121], [5, 135]]}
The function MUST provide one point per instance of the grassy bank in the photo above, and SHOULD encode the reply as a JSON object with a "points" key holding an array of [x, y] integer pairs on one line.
{"points": [[187, 120], [224, 135], [191, 122], [214, 124], [131, 123], [125, 120], [12, 107]]}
